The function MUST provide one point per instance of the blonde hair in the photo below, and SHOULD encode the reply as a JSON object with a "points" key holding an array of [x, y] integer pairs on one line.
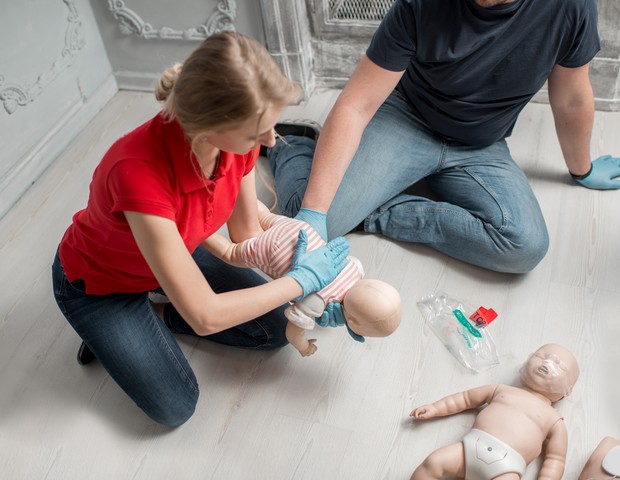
{"points": [[229, 78]]}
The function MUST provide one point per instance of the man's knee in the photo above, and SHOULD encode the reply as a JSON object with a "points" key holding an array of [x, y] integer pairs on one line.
{"points": [[524, 251], [289, 206], [290, 162]]}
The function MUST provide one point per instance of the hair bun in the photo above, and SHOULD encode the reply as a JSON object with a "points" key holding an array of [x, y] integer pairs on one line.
{"points": [[166, 82]]}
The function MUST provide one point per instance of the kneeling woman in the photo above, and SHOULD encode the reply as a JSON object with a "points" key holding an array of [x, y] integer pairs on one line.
{"points": [[156, 195]]}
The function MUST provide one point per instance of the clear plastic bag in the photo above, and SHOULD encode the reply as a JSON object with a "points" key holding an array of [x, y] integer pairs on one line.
{"points": [[469, 342]]}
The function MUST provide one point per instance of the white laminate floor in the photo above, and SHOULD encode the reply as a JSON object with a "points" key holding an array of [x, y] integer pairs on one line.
{"points": [[342, 413]]}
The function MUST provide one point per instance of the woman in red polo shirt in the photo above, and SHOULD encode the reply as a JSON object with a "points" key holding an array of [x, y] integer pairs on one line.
{"points": [[157, 194]]}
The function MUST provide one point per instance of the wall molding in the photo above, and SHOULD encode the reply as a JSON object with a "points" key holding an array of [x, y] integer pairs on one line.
{"points": [[13, 95], [131, 23], [287, 35], [29, 167]]}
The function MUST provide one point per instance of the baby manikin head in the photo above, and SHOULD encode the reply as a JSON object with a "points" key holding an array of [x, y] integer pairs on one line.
{"points": [[552, 371], [372, 308]]}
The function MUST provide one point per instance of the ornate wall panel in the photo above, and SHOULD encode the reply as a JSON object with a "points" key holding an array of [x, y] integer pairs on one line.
{"points": [[130, 22], [14, 95], [54, 77], [144, 37]]}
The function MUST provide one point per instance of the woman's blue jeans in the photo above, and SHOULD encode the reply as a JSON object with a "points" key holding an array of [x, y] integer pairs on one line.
{"points": [[485, 214], [139, 350]]}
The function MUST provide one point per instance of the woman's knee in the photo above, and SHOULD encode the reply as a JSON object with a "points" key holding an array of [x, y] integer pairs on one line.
{"points": [[172, 411], [276, 342], [275, 338]]}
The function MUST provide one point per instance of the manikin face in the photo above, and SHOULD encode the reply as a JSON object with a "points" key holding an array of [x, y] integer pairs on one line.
{"points": [[551, 371], [256, 130]]}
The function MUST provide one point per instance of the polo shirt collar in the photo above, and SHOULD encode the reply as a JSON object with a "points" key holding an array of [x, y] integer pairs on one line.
{"points": [[184, 162]]}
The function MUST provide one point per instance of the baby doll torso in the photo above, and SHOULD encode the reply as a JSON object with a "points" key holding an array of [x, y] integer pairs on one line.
{"points": [[273, 251], [518, 418]]}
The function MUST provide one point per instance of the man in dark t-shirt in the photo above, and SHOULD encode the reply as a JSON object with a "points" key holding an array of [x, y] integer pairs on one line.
{"points": [[437, 93]]}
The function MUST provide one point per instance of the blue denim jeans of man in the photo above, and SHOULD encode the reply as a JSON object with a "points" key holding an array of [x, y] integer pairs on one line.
{"points": [[485, 212], [139, 350]]}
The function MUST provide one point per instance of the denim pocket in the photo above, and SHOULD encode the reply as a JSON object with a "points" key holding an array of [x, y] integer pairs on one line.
{"points": [[63, 289], [76, 286]]}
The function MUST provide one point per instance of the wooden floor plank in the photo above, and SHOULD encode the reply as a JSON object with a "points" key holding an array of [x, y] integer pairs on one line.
{"points": [[342, 413]]}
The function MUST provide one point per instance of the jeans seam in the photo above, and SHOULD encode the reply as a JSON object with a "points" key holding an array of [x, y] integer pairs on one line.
{"points": [[266, 334], [62, 293], [154, 319], [505, 218], [442, 156]]}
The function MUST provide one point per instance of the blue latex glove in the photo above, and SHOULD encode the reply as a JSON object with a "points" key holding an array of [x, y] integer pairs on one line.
{"points": [[602, 174], [316, 269], [317, 220], [333, 317]]}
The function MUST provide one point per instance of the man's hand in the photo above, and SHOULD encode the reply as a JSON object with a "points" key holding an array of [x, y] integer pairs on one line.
{"points": [[603, 175], [317, 220], [332, 316]]}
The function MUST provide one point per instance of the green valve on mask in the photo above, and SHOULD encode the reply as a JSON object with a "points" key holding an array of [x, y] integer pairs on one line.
{"points": [[463, 321]]}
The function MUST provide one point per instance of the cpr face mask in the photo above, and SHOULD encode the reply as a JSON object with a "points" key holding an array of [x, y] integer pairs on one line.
{"points": [[548, 372]]}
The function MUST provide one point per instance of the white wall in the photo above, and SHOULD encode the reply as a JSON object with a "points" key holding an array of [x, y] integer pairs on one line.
{"points": [[144, 37], [54, 77], [62, 60]]}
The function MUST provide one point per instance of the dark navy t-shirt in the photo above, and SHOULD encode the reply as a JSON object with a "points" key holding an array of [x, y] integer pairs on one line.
{"points": [[470, 70]]}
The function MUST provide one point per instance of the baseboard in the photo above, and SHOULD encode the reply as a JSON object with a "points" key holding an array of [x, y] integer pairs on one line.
{"points": [[136, 81], [43, 154]]}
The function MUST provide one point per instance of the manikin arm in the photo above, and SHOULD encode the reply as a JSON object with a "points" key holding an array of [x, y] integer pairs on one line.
{"points": [[456, 403], [555, 453], [225, 250], [301, 317], [297, 337]]}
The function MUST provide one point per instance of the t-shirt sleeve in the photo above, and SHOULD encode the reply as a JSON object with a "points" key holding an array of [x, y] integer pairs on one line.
{"points": [[586, 41], [393, 43], [134, 186], [250, 160]]}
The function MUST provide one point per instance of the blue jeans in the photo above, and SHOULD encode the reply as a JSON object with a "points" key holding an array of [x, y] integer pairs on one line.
{"points": [[485, 212], [138, 349]]}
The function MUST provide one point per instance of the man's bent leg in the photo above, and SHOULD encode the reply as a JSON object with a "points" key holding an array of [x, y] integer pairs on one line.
{"points": [[395, 151], [290, 161], [488, 215]]}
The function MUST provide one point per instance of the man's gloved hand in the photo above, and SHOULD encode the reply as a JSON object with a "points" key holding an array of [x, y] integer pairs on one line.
{"points": [[317, 220], [316, 269], [603, 175], [334, 317]]}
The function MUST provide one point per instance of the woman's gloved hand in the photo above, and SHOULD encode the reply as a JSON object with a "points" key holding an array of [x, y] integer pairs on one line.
{"points": [[317, 220], [316, 269], [603, 175]]}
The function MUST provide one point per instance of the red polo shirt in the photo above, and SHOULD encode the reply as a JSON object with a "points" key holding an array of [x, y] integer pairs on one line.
{"points": [[150, 170]]}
